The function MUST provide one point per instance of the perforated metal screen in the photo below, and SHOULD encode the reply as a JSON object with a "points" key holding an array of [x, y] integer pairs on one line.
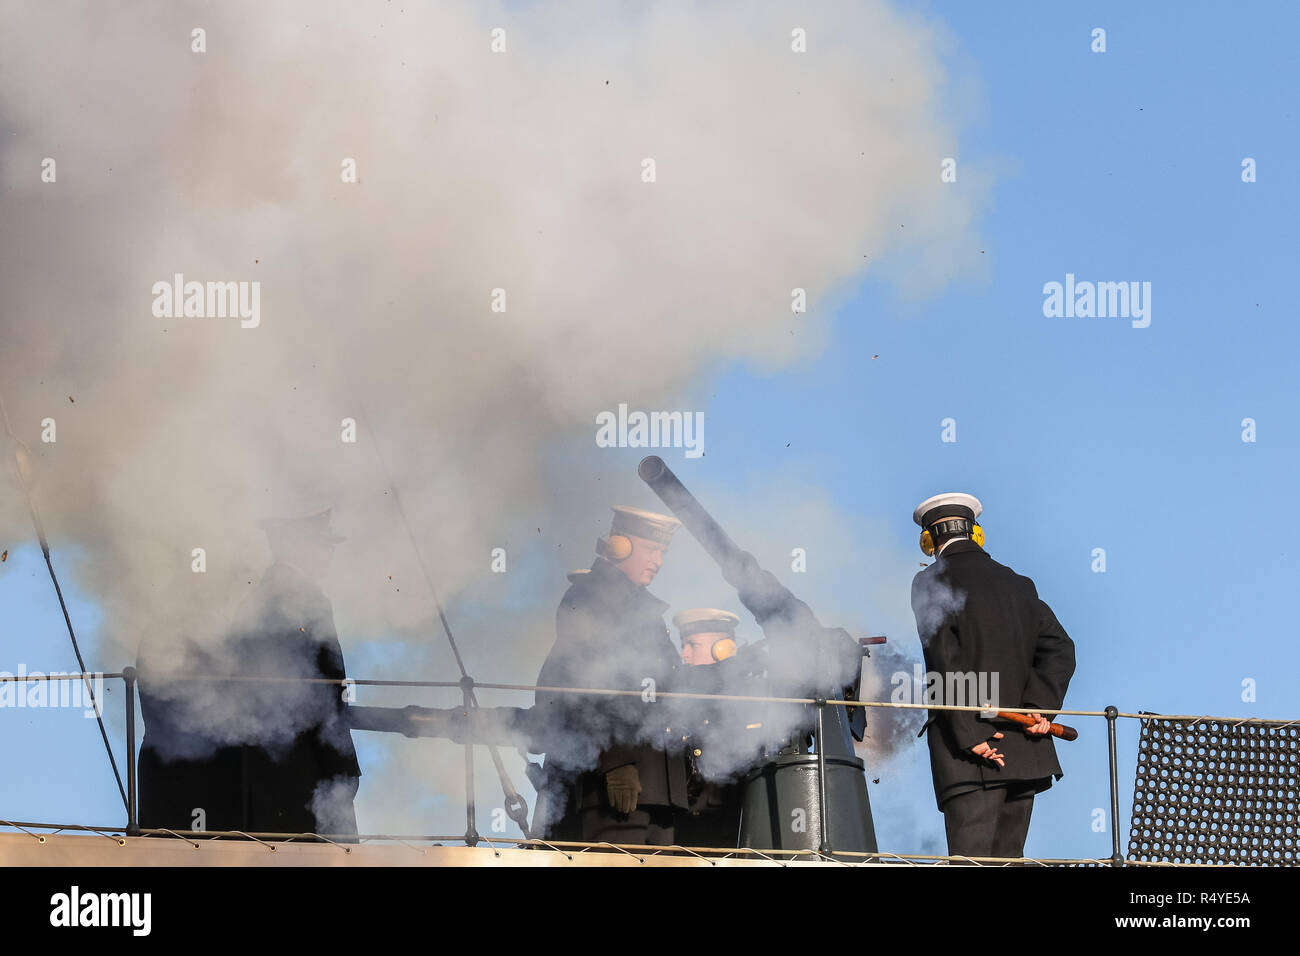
{"points": [[1210, 791]]}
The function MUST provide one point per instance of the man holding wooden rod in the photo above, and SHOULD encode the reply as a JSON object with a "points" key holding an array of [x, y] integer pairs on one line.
{"points": [[977, 617]]}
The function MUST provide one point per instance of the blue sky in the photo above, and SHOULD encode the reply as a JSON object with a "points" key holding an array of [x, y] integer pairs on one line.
{"points": [[1076, 433], [1085, 433]]}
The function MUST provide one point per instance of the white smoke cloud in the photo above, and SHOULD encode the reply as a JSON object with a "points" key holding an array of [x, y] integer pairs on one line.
{"points": [[477, 171]]}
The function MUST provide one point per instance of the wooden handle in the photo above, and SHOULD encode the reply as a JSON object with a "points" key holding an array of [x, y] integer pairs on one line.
{"points": [[1024, 720]]}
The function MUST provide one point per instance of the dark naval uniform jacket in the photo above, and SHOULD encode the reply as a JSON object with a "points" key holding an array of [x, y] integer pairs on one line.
{"points": [[610, 633], [975, 615], [253, 755], [304, 738]]}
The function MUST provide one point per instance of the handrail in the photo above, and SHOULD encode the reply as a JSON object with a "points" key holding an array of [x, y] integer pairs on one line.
{"points": [[5, 677], [130, 677]]}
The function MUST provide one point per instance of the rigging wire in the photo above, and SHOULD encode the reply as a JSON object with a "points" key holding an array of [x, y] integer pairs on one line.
{"points": [[515, 806], [22, 462]]}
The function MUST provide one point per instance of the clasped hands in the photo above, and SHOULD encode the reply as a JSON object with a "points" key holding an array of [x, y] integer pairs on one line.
{"points": [[985, 750]]}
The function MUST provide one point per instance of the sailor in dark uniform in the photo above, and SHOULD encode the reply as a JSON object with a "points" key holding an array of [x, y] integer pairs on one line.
{"points": [[189, 775], [978, 617], [708, 636], [264, 756], [615, 761]]}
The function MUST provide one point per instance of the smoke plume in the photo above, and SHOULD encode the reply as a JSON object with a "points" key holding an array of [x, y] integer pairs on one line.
{"points": [[522, 170]]}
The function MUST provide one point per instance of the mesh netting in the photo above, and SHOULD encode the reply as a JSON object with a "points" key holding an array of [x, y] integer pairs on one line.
{"points": [[1211, 791]]}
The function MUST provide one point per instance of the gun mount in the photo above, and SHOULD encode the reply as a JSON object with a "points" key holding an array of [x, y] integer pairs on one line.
{"points": [[799, 657]]}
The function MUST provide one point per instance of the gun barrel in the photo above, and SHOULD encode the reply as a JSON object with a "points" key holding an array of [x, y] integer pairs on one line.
{"points": [[772, 604], [503, 726], [410, 720], [655, 473]]}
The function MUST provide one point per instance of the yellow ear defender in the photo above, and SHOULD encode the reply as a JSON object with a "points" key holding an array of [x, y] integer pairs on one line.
{"points": [[927, 540], [617, 547], [927, 543]]}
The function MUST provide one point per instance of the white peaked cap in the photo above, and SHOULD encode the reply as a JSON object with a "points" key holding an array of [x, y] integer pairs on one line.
{"points": [[949, 499], [686, 620], [643, 524]]}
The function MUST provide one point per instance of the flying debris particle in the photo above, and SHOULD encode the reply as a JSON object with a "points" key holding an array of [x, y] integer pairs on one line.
{"points": [[874, 357], [787, 444], [922, 563], [5, 556], [875, 780], [71, 400]]}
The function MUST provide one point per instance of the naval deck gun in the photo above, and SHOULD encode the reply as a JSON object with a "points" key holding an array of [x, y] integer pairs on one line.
{"points": [[823, 785]]}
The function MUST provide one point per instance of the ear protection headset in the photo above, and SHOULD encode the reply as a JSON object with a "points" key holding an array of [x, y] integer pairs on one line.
{"points": [[616, 547], [949, 526], [722, 649]]}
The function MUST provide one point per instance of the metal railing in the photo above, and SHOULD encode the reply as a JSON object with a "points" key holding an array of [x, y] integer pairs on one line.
{"points": [[467, 686]]}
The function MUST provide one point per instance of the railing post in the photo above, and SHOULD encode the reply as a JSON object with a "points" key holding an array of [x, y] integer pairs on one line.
{"points": [[471, 832], [1116, 855], [132, 798], [822, 815]]}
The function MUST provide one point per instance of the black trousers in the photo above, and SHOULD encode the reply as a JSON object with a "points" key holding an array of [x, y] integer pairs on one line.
{"points": [[649, 826], [715, 827], [992, 822]]}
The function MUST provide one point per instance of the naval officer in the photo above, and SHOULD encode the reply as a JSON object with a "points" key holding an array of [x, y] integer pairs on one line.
{"points": [[976, 615]]}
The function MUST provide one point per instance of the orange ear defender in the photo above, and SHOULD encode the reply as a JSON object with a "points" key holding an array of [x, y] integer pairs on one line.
{"points": [[617, 547], [723, 649]]}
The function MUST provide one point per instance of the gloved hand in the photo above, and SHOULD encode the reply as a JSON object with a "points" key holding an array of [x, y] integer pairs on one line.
{"points": [[623, 786]]}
